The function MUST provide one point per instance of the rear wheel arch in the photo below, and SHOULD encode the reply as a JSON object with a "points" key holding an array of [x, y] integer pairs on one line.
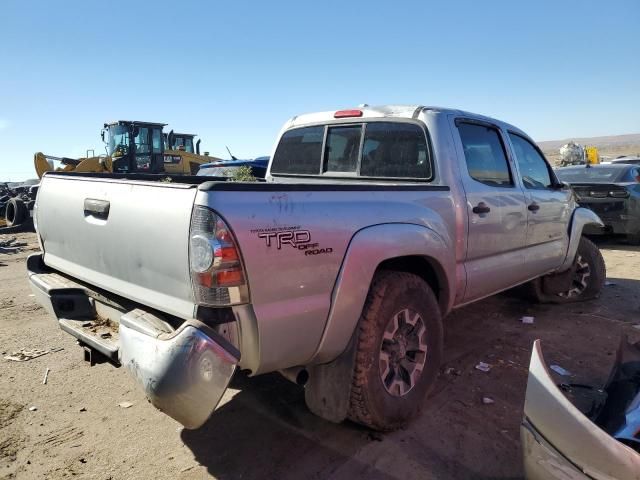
{"points": [[427, 268], [405, 248]]}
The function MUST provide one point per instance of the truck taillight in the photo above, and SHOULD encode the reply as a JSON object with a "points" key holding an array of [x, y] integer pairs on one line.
{"points": [[618, 193], [217, 273], [347, 113]]}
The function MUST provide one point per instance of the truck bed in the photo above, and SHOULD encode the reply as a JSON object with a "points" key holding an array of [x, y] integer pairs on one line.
{"points": [[293, 238]]}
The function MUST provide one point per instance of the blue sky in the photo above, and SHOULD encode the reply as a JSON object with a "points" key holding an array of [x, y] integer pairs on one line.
{"points": [[233, 72]]}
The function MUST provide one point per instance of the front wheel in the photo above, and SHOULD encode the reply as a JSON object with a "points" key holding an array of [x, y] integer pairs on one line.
{"points": [[588, 274], [399, 351]]}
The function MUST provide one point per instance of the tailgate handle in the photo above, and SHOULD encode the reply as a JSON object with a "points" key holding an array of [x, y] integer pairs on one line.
{"points": [[96, 208]]}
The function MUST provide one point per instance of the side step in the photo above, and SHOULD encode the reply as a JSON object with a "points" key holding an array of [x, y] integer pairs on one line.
{"points": [[97, 334]]}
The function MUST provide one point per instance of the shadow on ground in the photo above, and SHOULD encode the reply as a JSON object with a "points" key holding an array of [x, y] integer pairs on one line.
{"points": [[266, 431]]}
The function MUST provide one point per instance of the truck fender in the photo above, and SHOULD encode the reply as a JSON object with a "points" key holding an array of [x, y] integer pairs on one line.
{"points": [[368, 248], [328, 390], [581, 217]]}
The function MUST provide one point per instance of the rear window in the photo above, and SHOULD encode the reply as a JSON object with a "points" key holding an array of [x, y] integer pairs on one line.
{"points": [[397, 150], [299, 151], [388, 150], [343, 147], [592, 174]]}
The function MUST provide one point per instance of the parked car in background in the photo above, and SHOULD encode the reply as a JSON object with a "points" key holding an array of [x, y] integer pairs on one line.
{"points": [[634, 159], [228, 168], [612, 191]]}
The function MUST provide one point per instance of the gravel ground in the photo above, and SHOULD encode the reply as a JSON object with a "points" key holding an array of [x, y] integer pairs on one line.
{"points": [[263, 429]]}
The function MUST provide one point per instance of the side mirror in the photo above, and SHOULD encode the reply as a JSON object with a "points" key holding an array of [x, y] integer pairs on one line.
{"points": [[102, 132], [198, 147]]}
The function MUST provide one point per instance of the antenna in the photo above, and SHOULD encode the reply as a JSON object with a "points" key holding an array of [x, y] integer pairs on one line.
{"points": [[231, 154]]}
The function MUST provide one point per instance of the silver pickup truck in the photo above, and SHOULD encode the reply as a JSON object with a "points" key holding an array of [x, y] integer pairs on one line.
{"points": [[372, 225]]}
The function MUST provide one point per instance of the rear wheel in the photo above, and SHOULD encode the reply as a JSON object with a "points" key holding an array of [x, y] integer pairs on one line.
{"points": [[399, 351], [16, 212], [588, 274]]}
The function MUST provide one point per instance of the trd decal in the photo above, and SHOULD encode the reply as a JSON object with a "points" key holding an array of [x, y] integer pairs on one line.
{"points": [[293, 237]]}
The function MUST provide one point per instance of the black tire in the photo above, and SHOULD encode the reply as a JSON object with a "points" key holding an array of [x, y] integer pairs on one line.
{"points": [[391, 294], [16, 212], [590, 273]]}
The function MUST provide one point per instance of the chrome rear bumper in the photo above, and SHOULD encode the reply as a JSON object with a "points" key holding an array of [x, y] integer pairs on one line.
{"points": [[184, 372]]}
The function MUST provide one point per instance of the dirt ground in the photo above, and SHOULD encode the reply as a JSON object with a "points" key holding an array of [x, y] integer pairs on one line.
{"points": [[263, 429]]}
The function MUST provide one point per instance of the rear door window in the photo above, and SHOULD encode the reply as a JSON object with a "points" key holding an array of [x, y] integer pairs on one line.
{"points": [[396, 150], [299, 151], [485, 154]]}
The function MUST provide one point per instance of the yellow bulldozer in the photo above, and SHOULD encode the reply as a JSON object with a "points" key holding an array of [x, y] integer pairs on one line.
{"points": [[134, 146], [91, 163]]}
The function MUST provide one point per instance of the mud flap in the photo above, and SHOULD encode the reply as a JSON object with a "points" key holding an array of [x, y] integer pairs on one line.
{"points": [[328, 390]]}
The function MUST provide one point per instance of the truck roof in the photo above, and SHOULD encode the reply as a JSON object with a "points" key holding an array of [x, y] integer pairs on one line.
{"points": [[391, 111]]}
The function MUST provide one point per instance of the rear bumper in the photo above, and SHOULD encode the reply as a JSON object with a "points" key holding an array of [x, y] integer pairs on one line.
{"points": [[184, 371], [622, 221], [622, 227]]}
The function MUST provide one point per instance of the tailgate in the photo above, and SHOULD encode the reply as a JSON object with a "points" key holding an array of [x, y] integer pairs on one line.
{"points": [[128, 237]]}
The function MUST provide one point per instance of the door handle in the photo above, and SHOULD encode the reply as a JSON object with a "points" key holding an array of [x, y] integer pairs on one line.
{"points": [[481, 208], [534, 207], [96, 208]]}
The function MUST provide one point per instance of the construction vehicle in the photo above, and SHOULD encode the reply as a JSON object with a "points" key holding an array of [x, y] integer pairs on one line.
{"points": [[91, 163], [135, 146], [132, 146], [181, 150], [573, 153]]}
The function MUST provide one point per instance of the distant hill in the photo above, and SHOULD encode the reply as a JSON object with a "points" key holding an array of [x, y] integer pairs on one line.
{"points": [[610, 146]]}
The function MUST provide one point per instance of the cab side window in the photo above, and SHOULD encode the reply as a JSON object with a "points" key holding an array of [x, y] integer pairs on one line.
{"points": [[534, 169], [485, 154]]}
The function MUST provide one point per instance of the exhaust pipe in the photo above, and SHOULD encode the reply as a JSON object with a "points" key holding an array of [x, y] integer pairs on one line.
{"points": [[297, 375]]}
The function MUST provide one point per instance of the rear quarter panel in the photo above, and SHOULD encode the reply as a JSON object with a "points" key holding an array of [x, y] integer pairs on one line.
{"points": [[290, 287]]}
